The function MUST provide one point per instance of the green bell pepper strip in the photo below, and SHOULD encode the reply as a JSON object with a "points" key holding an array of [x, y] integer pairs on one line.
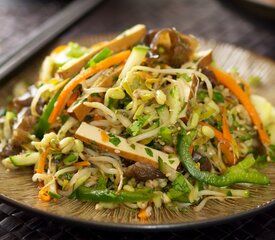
{"points": [[108, 196], [70, 159], [104, 53], [43, 125], [239, 173]]}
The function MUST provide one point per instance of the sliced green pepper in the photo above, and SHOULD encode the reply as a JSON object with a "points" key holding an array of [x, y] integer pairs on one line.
{"points": [[91, 195], [70, 159], [104, 53], [43, 125], [166, 135], [240, 173]]}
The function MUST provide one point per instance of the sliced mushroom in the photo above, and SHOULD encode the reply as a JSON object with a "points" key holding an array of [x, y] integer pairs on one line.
{"points": [[171, 47], [142, 172], [136, 151], [123, 41], [9, 150], [23, 126], [194, 87], [211, 76], [205, 58], [25, 99], [205, 164]]}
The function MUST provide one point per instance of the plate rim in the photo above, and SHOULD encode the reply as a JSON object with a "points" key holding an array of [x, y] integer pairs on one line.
{"points": [[137, 227], [111, 226]]}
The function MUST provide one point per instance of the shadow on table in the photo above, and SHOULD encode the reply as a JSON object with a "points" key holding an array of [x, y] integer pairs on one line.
{"points": [[258, 14]]}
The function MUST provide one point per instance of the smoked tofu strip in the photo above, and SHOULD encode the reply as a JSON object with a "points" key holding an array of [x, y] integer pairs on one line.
{"points": [[118, 145], [123, 41]]}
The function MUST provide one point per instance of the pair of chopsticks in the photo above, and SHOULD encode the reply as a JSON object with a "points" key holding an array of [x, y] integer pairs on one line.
{"points": [[44, 34]]}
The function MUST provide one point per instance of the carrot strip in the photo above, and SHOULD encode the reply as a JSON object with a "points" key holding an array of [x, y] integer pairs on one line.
{"points": [[225, 145], [104, 136], [82, 164], [143, 215], [106, 63], [97, 117], [228, 152], [72, 98], [43, 194], [227, 135], [191, 149], [41, 162], [229, 82], [225, 126]]}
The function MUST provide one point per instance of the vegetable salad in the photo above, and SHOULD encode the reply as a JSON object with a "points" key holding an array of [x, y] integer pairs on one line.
{"points": [[143, 120]]}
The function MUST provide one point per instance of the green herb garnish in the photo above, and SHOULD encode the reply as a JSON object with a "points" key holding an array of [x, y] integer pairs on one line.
{"points": [[114, 139]]}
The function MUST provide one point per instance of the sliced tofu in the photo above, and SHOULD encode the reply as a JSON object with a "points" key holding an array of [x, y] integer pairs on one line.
{"points": [[136, 151], [123, 41], [79, 111]]}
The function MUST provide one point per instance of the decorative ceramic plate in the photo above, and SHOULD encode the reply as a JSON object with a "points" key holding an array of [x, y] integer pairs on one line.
{"points": [[17, 188]]}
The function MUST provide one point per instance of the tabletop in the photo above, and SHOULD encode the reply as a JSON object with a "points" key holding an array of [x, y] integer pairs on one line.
{"points": [[220, 20]]}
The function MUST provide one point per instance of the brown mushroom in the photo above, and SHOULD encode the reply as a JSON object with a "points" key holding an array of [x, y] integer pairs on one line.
{"points": [[142, 172], [171, 47], [205, 58]]}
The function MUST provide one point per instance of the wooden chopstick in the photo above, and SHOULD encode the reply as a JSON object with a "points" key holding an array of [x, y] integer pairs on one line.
{"points": [[44, 34]]}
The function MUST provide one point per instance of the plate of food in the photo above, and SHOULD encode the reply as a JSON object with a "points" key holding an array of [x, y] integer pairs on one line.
{"points": [[145, 130]]}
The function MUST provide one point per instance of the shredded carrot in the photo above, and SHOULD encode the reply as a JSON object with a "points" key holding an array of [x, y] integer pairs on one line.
{"points": [[63, 97], [72, 98], [143, 215], [59, 49], [227, 135], [82, 164], [41, 162], [191, 149], [225, 126], [104, 136], [228, 81], [43, 194], [227, 150], [225, 145], [97, 117]]}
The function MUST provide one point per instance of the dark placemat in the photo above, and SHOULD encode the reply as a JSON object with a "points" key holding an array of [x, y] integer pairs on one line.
{"points": [[220, 20], [17, 224]]}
